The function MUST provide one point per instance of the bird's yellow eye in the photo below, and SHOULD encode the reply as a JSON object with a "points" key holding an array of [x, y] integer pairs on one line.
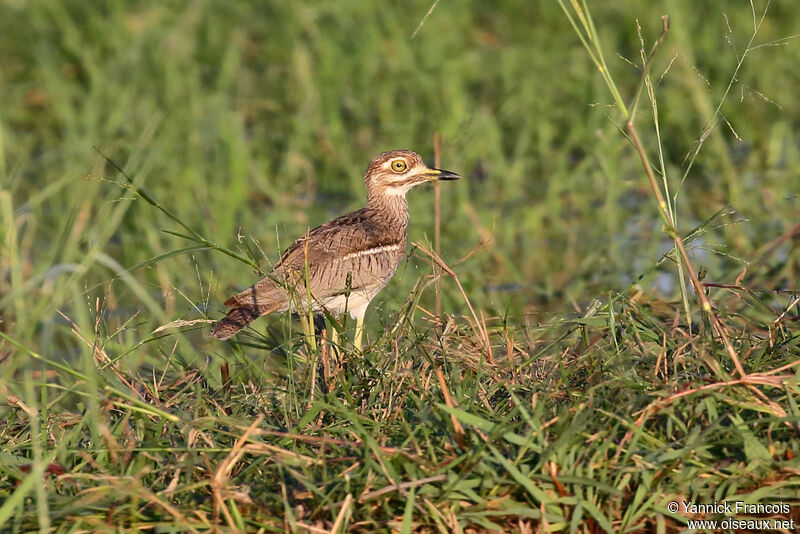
{"points": [[399, 165]]}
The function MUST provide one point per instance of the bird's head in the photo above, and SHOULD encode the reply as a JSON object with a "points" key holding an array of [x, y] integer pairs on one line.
{"points": [[395, 172]]}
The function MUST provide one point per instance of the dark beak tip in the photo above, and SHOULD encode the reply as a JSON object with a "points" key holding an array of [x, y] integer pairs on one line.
{"points": [[448, 175]]}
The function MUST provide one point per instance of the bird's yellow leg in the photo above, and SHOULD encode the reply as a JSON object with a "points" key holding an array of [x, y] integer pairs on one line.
{"points": [[307, 326], [334, 337], [359, 333]]}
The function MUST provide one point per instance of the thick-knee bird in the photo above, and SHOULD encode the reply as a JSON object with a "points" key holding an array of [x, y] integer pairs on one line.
{"points": [[341, 265]]}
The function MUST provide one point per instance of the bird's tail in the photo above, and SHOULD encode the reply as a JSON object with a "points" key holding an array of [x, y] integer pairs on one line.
{"points": [[236, 319]]}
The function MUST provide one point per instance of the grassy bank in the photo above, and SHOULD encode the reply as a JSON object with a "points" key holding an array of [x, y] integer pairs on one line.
{"points": [[572, 381]]}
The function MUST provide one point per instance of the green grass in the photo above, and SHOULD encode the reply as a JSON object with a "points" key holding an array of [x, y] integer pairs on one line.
{"points": [[600, 399]]}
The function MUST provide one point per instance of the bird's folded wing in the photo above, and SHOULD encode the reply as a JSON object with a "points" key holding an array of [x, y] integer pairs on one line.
{"points": [[346, 254]]}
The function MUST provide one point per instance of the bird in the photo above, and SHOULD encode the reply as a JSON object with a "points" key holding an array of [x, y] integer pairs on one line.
{"points": [[343, 264]]}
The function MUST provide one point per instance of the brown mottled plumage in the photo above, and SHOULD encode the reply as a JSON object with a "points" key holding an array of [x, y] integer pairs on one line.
{"points": [[348, 260]]}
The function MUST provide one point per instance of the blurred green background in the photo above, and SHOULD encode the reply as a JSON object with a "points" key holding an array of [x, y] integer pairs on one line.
{"points": [[253, 121]]}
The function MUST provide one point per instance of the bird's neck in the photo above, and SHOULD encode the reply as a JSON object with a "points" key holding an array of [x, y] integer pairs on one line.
{"points": [[390, 210]]}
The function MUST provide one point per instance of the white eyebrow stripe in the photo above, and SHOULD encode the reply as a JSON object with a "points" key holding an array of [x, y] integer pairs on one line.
{"points": [[370, 251]]}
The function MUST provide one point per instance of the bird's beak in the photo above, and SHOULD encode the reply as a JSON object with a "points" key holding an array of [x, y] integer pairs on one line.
{"points": [[440, 174]]}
